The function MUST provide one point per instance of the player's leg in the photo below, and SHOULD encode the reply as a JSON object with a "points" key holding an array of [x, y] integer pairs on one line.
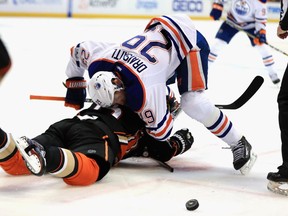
{"points": [[283, 117], [196, 105], [10, 159], [222, 39], [267, 58], [79, 163], [268, 62], [277, 179], [216, 49], [74, 167]]}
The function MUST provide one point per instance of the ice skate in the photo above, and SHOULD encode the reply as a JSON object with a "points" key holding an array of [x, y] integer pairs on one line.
{"points": [[278, 187], [278, 181], [243, 156], [274, 78], [33, 154]]}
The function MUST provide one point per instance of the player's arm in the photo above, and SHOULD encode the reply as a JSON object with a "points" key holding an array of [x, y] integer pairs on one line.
{"points": [[283, 24], [80, 59], [157, 114], [147, 146], [76, 84]]}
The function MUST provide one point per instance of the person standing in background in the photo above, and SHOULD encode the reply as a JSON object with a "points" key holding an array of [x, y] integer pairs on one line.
{"points": [[277, 179], [251, 17]]}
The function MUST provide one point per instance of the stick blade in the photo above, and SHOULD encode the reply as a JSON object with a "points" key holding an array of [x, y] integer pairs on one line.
{"points": [[245, 97]]}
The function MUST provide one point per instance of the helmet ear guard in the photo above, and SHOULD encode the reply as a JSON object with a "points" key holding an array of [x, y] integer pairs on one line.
{"points": [[102, 87]]}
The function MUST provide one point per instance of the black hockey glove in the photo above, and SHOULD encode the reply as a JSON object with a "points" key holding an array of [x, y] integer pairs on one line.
{"points": [[181, 141], [216, 11], [76, 92]]}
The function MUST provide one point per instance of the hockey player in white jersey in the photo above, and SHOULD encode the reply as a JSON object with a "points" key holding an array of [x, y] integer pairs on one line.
{"points": [[137, 71], [250, 16]]}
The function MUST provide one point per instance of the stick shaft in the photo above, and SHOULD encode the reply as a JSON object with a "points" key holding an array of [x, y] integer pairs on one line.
{"points": [[53, 98], [240, 101], [253, 36], [42, 97]]}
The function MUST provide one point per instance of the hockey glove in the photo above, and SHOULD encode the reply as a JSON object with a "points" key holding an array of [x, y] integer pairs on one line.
{"points": [[260, 37], [181, 141], [216, 11], [173, 105], [76, 92]]}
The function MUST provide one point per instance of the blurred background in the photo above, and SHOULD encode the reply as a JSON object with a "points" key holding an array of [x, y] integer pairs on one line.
{"points": [[197, 9]]}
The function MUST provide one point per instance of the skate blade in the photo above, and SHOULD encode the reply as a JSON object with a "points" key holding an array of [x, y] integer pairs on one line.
{"points": [[32, 161], [278, 187], [248, 166]]}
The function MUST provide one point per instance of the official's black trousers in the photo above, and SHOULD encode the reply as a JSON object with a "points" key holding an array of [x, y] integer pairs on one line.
{"points": [[283, 117]]}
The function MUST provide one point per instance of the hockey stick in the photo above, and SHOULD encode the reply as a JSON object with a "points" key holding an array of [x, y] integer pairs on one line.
{"points": [[252, 36], [166, 166], [53, 98], [247, 94]]}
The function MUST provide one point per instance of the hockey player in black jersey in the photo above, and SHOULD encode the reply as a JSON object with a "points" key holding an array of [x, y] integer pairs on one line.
{"points": [[81, 150]]}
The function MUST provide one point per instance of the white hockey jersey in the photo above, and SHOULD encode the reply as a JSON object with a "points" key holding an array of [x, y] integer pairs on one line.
{"points": [[144, 62], [247, 13]]}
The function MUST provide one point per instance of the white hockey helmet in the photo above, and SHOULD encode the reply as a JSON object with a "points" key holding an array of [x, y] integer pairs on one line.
{"points": [[102, 87]]}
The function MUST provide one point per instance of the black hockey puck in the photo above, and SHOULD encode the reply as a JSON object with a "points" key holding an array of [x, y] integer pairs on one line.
{"points": [[192, 204]]}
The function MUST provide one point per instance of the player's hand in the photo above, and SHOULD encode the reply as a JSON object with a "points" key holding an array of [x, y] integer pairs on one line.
{"points": [[260, 37], [281, 33], [216, 11], [3, 71], [76, 92], [173, 105], [181, 141]]}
